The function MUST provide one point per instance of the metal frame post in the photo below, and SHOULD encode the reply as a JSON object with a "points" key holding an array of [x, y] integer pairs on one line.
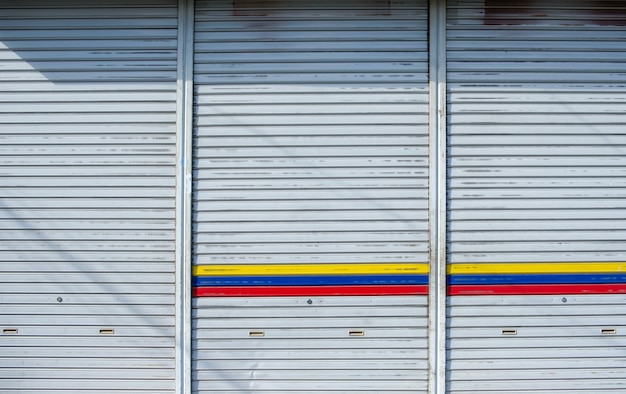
{"points": [[184, 136], [437, 198]]}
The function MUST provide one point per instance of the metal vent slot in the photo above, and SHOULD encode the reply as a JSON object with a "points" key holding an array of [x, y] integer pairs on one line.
{"points": [[356, 333], [256, 333]]}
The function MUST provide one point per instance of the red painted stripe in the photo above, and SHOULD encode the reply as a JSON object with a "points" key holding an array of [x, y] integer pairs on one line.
{"points": [[303, 291], [605, 288]]}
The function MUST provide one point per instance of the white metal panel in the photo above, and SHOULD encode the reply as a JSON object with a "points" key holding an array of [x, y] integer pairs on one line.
{"points": [[306, 346], [311, 147], [536, 137], [87, 128], [330, 136], [541, 133], [572, 343]]}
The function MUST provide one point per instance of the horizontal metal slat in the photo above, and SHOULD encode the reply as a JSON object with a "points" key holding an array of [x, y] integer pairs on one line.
{"points": [[89, 255], [388, 345], [311, 354], [312, 333], [327, 195], [122, 105], [299, 221], [329, 257], [295, 143], [312, 247], [313, 375], [310, 108], [233, 304], [511, 198], [306, 365], [592, 384], [535, 321], [309, 204], [319, 324], [86, 267], [99, 279], [594, 253], [86, 299], [536, 213], [66, 212], [78, 362], [574, 233], [20, 182], [569, 246], [158, 353], [107, 341], [350, 386], [136, 372], [313, 235], [96, 322], [88, 117], [530, 129], [215, 317], [103, 383], [526, 300], [57, 331], [316, 184], [415, 119]]}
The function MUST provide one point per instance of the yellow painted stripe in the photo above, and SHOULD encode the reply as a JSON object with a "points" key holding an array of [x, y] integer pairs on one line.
{"points": [[309, 269], [536, 268]]}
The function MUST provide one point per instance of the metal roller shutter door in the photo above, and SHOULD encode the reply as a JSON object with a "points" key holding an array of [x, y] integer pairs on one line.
{"points": [[536, 200], [87, 124], [310, 197]]}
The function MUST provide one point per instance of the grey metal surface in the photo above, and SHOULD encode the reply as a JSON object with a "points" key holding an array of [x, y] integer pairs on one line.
{"points": [[311, 147], [87, 168], [537, 137], [286, 344], [537, 344], [311, 134]]}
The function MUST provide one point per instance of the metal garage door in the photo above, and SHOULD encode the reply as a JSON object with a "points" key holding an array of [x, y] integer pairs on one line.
{"points": [[311, 199], [537, 209], [87, 161]]}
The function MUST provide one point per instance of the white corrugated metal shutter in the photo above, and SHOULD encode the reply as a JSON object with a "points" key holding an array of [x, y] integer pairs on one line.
{"points": [[537, 172], [87, 161], [310, 164]]}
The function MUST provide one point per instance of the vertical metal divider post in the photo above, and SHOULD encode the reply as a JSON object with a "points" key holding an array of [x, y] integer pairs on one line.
{"points": [[184, 140], [437, 198]]}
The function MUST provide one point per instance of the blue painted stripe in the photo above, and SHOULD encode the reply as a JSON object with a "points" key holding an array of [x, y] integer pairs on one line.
{"points": [[535, 279], [312, 280]]}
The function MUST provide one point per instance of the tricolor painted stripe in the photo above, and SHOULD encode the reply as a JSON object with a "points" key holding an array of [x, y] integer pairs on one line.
{"points": [[408, 278], [254, 280], [537, 278]]}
